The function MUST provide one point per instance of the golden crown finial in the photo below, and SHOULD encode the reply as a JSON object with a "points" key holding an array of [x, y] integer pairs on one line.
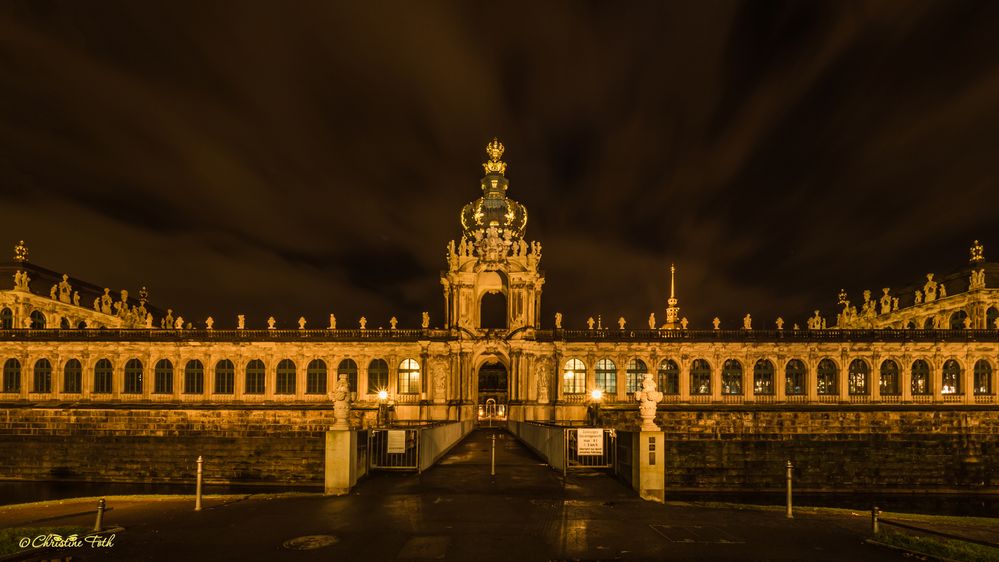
{"points": [[977, 253], [495, 151], [20, 252]]}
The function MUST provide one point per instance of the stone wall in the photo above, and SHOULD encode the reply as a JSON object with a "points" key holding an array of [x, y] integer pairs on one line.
{"points": [[857, 449], [157, 444]]}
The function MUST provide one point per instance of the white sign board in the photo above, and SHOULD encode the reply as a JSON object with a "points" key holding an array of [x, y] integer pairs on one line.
{"points": [[589, 442], [396, 441]]}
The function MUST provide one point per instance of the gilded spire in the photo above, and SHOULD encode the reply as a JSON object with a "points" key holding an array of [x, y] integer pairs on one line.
{"points": [[21, 252], [495, 151], [672, 310], [977, 253]]}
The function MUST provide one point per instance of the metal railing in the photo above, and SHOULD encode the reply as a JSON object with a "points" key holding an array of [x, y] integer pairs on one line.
{"points": [[394, 449], [165, 335], [412, 447]]}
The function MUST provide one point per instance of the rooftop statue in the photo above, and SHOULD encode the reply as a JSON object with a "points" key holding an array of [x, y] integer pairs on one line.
{"points": [[716, 322], [747, 322], [425, 320], [240, 322], [885, 301], [977, 280], [652, 321], [76, 298], [558, 321], [930, 289], [683, 323], [301, 322], [53, 292], [209, 323], [179, 323], [620, 323], [393, 322], [270, 323], [332, 322], [65, 290], [21, 280], [919, 297], [942, 291], [589, 323], [363, 322], [780, 323]]}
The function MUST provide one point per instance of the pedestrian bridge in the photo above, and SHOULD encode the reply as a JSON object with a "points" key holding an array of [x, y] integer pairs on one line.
{"points": [[510, 456]]}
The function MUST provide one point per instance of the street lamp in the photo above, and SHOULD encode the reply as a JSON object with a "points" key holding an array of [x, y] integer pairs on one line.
{"points": [[382, 407], [595, 396]]}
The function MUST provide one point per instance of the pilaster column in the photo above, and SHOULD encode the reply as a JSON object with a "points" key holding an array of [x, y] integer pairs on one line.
{"points": [[875, 378], [684, 379]]}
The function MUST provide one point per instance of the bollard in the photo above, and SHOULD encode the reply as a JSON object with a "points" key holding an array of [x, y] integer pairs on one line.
{"points": [[492, 469], [790, 514], [197, 497], [99, 524], [875, 512]]}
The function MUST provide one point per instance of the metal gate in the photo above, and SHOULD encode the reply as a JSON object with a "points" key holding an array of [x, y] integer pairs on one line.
{"points": [[589, 448], [394, 449]]}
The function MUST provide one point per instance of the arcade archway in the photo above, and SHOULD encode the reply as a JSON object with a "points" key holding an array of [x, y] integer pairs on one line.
{"points": [[493, 390]]}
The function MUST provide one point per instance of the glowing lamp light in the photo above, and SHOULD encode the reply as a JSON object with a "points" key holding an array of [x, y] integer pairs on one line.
{"points": [[383, 395], [597, 394]]}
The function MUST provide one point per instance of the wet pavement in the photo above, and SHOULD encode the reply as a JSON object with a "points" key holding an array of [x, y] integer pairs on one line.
{"points": [[457, 511]]}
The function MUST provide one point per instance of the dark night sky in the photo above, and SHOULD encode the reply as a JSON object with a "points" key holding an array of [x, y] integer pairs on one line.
{"points": [[295, 158]]}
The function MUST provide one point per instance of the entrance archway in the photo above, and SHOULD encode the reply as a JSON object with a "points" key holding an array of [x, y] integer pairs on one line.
{"points": [[493, 386]]}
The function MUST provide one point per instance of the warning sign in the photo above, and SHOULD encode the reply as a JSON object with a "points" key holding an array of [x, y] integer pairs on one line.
{"points": [[589, 442], [396, 441]]}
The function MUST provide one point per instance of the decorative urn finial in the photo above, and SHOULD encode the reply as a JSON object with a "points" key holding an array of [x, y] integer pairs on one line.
{"points": [[21, 252], [977, 253]]}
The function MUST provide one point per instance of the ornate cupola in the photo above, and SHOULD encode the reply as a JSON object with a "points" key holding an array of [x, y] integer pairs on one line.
{"points": [[493, 281], [494, 208]]}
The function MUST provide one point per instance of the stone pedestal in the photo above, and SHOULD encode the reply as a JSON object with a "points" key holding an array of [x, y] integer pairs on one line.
{"points": [[649, 466], [341, 462]]}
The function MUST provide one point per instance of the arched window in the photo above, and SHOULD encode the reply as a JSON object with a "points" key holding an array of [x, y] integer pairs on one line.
{"points": [[574, 377], [6, 319], [103, 376], [315, 377], [700, 377], [794, 378], [634, 375], [163, 377], [492, 315], [43, 376], [763, 377], [409, 377], [285, 381], [983, 377], [910, 326], [951, 379], [921, 378], [731, 377], [225, 377], [669, 377], [256, 377], [991, 315], [606, 376], [82, 325], [72, 377], [64, 324], [37, 320], [12, 375], [194, 377], [889, 384], [377, 376], [825, 377], [928, 323], [957, 320], [348, 367], [857, 377], [133, 377]]}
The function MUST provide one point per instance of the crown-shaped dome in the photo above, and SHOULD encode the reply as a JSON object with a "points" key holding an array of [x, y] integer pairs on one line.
{"points": [[494, 208]]}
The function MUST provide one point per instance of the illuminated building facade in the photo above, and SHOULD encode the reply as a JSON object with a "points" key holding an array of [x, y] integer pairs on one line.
{"points": [[65, 342]]}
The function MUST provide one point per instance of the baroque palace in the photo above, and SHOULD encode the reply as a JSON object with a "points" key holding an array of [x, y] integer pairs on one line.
{"points": [[65, 341]]}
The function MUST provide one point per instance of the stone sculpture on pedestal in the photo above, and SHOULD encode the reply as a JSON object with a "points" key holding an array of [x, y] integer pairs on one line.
{"points": [[648, 399], [341, 403]]}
